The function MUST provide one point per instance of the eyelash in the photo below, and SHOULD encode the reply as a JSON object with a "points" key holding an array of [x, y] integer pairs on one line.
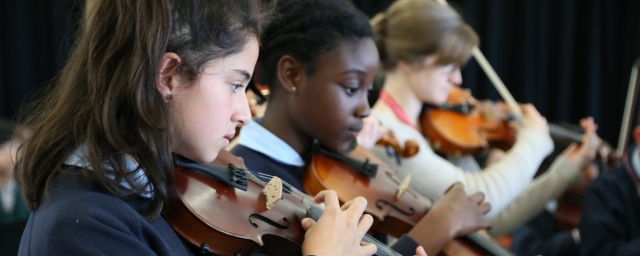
{"points": [[234, 87], [351, 91]]}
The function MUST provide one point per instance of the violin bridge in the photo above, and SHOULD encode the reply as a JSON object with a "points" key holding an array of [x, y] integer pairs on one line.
{"points": [[272, 192], [403, 186]]}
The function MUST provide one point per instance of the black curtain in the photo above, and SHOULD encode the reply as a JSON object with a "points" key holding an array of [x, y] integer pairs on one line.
{"points": [[35, 38], [570, 58]]}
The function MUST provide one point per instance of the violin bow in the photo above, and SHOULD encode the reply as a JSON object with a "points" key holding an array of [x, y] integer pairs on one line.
{"points": [[632, 95], [493, 77]]}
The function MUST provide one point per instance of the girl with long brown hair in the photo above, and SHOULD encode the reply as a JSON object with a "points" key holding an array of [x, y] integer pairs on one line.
{"points": [[146, 80]]}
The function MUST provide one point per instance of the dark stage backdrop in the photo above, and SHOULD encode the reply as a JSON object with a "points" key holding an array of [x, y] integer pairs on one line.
{"points": [[35, 38], [570, 58]]}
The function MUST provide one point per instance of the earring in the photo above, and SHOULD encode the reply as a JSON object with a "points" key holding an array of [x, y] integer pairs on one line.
{"points": [[293, 88], [168, 98]]}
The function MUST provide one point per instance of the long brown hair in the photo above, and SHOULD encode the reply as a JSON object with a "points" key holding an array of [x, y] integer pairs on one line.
{"points": [[411, 30], [105, 98]]}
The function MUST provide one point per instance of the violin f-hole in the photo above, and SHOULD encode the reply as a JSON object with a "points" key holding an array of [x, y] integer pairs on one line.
{"points": [[268, 221], [380, 202]]}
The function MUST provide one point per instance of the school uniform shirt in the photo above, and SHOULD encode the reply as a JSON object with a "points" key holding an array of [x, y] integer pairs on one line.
{"points": [[78, 218], [12, 209], [501, 183], [610, 223], [265, 153]]}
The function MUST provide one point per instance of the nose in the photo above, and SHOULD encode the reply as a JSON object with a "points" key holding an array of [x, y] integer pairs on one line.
{"points": [[242, 115], [363, 110], [456, 76]]}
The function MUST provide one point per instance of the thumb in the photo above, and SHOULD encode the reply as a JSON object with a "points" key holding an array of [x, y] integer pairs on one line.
{"points": [[420, 251], [307, 223]]}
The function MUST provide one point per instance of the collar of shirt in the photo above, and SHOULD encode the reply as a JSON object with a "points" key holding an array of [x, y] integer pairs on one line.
{"points": [[7, 196], [257, 138], [78, 158], [635, 161], [10, 186]]}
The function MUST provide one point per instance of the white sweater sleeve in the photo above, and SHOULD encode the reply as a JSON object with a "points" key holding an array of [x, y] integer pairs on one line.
{"points": [[432, 175], [531, 202]]}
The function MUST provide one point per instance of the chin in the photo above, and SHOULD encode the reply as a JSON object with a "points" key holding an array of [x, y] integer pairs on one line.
{"points": [[205, 158], [348, 146], [440, 100]]}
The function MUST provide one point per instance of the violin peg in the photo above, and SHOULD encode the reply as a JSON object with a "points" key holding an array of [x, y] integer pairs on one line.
{"points": [[403, 186], [436, 145], [272, 192]]}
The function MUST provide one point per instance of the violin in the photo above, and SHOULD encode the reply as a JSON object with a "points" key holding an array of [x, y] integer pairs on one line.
{"points": [[393, 148], [394, 207], [225, 209], [465, 125]]}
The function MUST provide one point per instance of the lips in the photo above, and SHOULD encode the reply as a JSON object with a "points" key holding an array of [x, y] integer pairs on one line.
{"points": [[353, 132], [230, 136]]}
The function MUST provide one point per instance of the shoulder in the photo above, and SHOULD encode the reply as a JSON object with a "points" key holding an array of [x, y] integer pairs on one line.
{"points": [[616, 179], [75, 213], [610, 189], [252, 159]]}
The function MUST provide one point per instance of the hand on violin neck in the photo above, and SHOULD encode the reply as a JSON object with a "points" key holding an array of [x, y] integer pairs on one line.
{"points": [[583, 154], [455, 214], [340, 230], [531, 119], [370, 133]]}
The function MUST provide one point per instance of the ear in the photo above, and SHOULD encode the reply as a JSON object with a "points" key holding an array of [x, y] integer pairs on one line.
{"points": [[289, 74], [636, 135], [405, 67], [168, 74]]}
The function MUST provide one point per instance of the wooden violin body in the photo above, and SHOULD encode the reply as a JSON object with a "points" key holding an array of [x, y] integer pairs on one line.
{"points": [[225, 220], [392, 215], [465, 126], [230, 211]]}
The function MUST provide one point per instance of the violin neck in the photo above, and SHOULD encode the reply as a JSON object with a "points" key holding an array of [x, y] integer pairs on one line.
{"points": [[558, 132], [383, 250], [488, 245]]}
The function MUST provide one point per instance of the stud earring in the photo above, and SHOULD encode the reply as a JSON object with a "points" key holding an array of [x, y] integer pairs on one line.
{"points": [[168, 98]]}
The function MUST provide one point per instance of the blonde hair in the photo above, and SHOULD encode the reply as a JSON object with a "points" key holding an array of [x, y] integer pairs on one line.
{"points": [[411, 30]]}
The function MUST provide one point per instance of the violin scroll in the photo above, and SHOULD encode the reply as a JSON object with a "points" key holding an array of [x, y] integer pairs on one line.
{"points": [[411, 147]]}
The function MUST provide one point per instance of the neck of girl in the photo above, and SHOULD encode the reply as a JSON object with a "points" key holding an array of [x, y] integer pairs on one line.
{"points": [[4, 179], [397, 86], [278, 121]]}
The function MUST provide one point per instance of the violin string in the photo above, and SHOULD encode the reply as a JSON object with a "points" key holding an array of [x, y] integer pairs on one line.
{"points": [[301, 195]]}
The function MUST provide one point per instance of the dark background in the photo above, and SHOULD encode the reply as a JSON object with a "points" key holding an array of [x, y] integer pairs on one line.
{"points": [[570, 58]]}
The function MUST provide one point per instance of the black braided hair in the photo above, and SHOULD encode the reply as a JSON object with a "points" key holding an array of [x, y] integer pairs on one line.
{"points": [[305, 29]]}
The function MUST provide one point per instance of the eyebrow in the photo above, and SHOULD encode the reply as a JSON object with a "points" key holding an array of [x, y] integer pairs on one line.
{"points": [[244, 73], [354, 71]]}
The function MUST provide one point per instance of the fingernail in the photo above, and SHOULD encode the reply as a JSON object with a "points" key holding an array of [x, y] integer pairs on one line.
{"points": [[421, 249], [306, 223]]}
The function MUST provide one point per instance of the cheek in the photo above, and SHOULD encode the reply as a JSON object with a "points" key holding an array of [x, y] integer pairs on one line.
{"points": [[202, 117], [324, 116], [431, 88]]}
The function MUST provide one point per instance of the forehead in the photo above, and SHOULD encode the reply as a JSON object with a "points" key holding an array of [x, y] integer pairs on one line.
{"points": [[360, 54], [240, 63]]}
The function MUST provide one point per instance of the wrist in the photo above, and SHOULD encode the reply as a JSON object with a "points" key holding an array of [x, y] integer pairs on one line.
{"points": [[435, 223]]}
